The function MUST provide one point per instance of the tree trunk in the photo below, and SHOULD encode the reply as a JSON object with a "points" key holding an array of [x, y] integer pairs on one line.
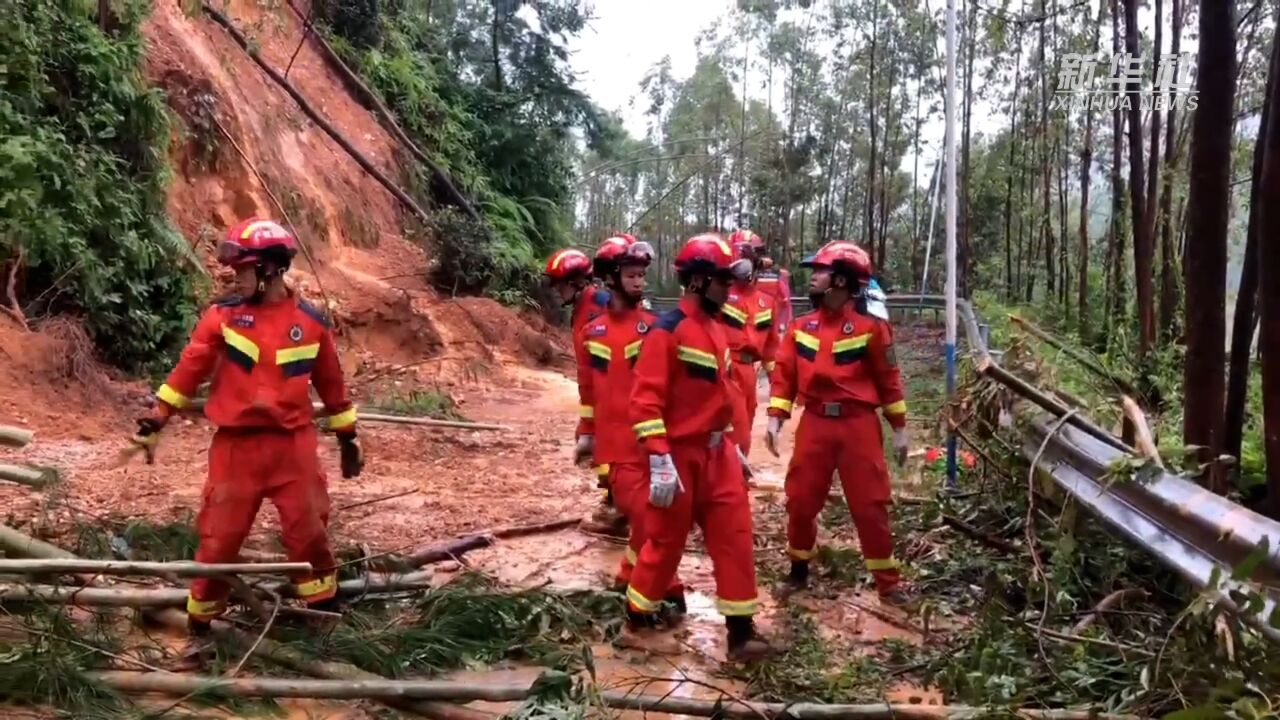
{"points": [[1144, 284], [870, 209], [1269, 292], [1168, 267], [1117, 252], [494, 43], [1208, 213], [1086, 169], [15, 436], [1153, 166], [1046, 165], [964, 252], [1008, 187], [1245, 321]]}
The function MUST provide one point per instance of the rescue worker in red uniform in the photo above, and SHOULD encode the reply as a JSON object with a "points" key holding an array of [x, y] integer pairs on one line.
{"points": [[776, 282], [749, 316], [264, 349], [569, 272], [682, 403], [612, 345], [840, 365]]}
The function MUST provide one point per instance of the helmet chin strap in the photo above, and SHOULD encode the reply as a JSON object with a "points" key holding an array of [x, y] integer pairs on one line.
{"points": [[262, 277]]}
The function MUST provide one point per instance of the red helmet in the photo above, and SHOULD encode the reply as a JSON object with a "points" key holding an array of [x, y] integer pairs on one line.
{"points": [[841, 255], [706, 253], [748, 238], [567, 264], [619, 250], [256, 240]]}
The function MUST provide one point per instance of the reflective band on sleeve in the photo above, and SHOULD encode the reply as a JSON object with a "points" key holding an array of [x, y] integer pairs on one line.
{"points": [[801, 554], [731, 608], [783, 404], [882, 564], [172, 397], [649, 428], [317, 589], [204, 609], [896, 408], [631, 556], [602, 470], [641, 603], [344, 418], [586, 412]]}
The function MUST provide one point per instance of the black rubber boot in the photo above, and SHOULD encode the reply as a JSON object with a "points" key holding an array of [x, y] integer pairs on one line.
{"points": [[199, 649], [745, 644], [674, 608], [637, 620], [797, 580]]}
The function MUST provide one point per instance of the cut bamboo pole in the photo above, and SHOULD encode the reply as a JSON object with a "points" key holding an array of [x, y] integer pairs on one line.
{"points": [[15, 436], [456, 548], [22, 475], [155, 569], [1029, 392], [1143, 439], [13, 542], [727, 707], [173, 597]]}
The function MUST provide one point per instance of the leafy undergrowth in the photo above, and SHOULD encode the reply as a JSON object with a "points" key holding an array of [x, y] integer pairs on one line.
{"points": [[418, 403]]}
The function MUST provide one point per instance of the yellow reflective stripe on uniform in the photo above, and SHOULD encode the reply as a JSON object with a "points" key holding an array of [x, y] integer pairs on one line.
{"points": [[632, 349], [642, 603], [344, 418], [600, 350], [783, 404], [649, 428], [733, 312], [896, 408], [204, 607], [801, 554], [586, 412], [730, 608], [319, 586], [882, 564], [696, 356], [601, 469], [852, 343], [807, 340], [241, 343], [764, 316], [172, 397], [631, 556], [294, 354]]}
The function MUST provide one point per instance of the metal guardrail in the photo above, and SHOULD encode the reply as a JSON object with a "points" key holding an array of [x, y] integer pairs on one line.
{"points": [[1193, 531]]}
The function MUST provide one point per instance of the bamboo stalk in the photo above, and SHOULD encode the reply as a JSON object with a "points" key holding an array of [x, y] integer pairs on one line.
{"points": [[1143, 439], [15, 436], [1089, 363], [13, 542], [174, 597], [25, 475], [456, 548], [1029, 392], [724, 706], [157, 569], [310, 112]]}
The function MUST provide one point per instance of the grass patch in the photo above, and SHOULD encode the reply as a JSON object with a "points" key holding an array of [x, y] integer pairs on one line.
{"points": [[137, 540], [418, 403]]}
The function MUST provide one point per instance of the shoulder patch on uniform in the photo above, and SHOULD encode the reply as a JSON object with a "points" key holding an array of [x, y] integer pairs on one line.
{"points": [[229, 301], [596, 330], [642, 327], [314, 313], [670, 319]]}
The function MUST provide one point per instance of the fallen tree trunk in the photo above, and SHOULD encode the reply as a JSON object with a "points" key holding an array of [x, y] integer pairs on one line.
{"points": [[25, 475], [454, 549], [156, 569], [13, 542], [15, 436], [1089, 363], [310, 112], [726, 707], [174, 597], [374, 103]]}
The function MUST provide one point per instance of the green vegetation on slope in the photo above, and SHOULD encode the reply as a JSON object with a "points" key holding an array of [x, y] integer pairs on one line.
{"points": [[82, 172]]}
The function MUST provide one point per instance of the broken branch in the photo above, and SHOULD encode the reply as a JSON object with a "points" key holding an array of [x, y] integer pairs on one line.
{"points": [[454, 549], [987, 539], [1107, 603], [1144, 441], [158, 569], [15, 436], [25, 475], [1089, 363]]}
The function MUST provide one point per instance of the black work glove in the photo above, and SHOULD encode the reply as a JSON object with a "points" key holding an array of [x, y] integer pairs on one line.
{"points": [[352, 457], [147, 436]]}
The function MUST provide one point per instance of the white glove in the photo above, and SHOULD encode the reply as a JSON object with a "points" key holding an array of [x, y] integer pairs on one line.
{"points": [[747, 472], [900, 444], [585, 448], [771, 434], [664, 481]]}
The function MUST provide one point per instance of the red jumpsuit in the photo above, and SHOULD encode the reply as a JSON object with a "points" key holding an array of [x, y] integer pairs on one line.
{"points": [[778, 284], [749, 317], [591, 304], [612, 344], [840, 366], [681, 403], [263, 359]]}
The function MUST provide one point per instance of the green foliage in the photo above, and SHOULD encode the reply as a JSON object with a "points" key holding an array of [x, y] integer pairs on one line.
{"points": [[418, 403], [137, 540], [468, 623], [82, 168], [47, 669]]}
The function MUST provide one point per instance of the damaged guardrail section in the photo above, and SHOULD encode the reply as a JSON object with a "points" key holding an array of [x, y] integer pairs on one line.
{"points": [[1208, 540]]}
